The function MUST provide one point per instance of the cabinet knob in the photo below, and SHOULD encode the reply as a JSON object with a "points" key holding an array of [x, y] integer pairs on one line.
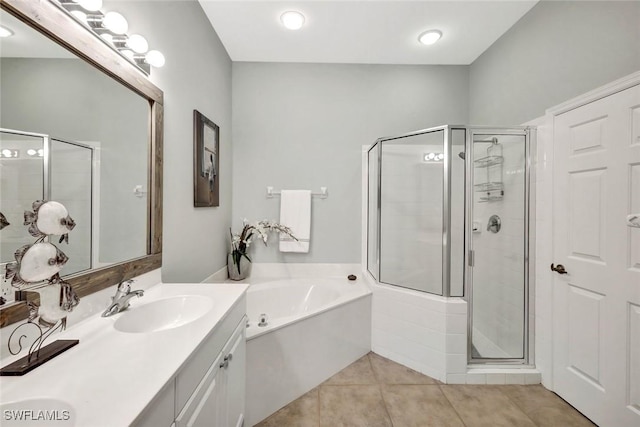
{"points": [[225, 362]]}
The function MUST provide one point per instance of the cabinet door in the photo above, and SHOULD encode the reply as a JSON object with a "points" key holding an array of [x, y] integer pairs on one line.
{"points": [[236, 379], [205, 406]]}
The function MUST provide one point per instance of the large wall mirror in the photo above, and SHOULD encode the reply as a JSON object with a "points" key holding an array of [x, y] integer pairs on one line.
{"points": [[80, 125]]}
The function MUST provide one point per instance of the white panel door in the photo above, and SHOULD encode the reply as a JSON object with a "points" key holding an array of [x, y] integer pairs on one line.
{"points": [[597, 301]]}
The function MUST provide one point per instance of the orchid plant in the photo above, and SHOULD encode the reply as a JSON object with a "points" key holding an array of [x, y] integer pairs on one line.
{"points": [[240, 242]]}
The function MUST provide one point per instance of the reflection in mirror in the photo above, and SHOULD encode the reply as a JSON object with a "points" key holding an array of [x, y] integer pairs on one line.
{"points": [[71, 169], [97, 152], [21, 182]]}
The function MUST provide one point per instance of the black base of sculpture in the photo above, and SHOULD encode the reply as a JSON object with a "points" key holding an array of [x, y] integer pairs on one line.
{"points": [[46, 353]]}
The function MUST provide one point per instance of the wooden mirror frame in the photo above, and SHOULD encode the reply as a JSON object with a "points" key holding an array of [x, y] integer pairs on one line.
{"points": [[56, 24]]}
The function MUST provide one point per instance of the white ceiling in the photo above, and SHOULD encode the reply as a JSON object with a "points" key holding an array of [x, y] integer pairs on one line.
{"points": [[365, 31]]}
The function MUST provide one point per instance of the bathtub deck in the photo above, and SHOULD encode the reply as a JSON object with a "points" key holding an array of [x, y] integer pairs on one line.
{"points": [[375, 391]]}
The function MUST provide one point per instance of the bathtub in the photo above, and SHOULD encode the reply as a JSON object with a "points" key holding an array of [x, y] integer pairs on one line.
{"points": [[315, 327], [286, 301]]}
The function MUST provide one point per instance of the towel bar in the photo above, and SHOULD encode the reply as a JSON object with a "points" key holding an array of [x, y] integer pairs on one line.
{"points": [[323, 194]]}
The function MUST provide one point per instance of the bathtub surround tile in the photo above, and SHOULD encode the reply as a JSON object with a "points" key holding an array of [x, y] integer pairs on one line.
{"points": [[352, 405], [388, 372], [302, 412], [419, 405], [359, 372], [480, 405]]}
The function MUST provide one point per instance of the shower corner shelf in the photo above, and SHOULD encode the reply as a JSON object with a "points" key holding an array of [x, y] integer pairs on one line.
{"points": [[485, 162], [491, 196], [489, 186], [493, 188]]}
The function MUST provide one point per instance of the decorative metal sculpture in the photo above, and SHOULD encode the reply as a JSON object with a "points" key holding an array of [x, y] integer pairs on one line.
{"points": [[37, 269], [3, 221]]}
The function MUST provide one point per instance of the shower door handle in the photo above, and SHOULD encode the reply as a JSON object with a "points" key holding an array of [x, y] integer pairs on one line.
{"points": [[559, 269]]}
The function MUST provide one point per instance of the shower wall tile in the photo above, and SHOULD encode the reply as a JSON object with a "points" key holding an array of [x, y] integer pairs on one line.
{"points": [[456, 343], [411, 332], [409, 327], [457, 363], [496, 379], [456, 323], [476, 378], [456, 379]]}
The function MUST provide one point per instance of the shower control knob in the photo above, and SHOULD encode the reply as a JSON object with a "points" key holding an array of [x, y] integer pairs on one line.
{"points": [[559, 269]]}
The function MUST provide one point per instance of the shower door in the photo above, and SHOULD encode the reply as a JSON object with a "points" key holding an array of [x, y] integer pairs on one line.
{"points": [[498, 245], [415, 230]]}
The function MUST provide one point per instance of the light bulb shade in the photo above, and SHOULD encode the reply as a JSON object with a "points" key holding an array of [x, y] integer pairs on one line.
{"points": [[115, 23], [5, 32], [90, 5], [155, 58], [107, 37], [292, 20], [430, 37], [137, 43]]}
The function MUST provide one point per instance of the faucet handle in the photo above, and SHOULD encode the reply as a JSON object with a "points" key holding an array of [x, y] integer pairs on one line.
{"points": [[125, 286]]}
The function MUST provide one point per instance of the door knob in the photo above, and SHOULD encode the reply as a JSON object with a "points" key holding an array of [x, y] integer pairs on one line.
{"points": [[559, 269]]}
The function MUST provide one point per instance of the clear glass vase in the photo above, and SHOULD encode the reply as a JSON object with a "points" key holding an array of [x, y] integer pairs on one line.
{"points": [[238, 271]]}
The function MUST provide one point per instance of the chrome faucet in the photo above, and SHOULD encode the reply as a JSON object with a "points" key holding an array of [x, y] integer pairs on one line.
{"points": [[120, 301]]}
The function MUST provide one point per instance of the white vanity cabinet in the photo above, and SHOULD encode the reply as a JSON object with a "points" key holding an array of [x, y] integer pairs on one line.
{"points": [[219, 399], [209, 388]]}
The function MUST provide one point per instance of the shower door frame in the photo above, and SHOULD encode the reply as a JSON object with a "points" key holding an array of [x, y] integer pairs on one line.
{"points": [[446, 196], [528, 133]]}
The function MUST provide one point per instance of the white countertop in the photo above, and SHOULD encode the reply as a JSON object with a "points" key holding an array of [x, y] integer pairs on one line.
{"points": [[111, 376]]}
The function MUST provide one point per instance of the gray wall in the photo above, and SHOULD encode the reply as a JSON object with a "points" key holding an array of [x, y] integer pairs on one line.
{"points": [[302, 126], [197, 75], [557, 51]]}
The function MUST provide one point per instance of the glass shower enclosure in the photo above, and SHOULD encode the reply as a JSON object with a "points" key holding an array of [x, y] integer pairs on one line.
{"points": [[448, 214]]}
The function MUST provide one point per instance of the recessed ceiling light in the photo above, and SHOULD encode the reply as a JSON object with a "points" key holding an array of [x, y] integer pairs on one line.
{"points": [[430, 37], [292, 20], [5, 32]]}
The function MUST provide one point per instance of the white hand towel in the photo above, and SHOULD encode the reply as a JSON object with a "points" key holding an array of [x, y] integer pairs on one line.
{"points": [[295, 213]]}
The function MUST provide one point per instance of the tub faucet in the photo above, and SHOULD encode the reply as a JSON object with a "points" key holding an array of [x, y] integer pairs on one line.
{"points": [[120, 301]]}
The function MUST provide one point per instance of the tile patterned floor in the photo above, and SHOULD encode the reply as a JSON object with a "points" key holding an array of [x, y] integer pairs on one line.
{"points": [[374, 391]]}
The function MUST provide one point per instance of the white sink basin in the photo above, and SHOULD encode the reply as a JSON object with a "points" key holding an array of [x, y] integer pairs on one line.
{"points": [[163, 314]]}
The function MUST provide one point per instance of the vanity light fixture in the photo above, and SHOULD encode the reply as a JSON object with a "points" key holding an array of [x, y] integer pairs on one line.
{"points": [[292, 20], [35, 153], [128, 53], [433, 157], [90, 5], [137, 43], [5, 32], [155, 58], [115, 23], [112, 27], [9, 153], [430, 37], [80, 15]]}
